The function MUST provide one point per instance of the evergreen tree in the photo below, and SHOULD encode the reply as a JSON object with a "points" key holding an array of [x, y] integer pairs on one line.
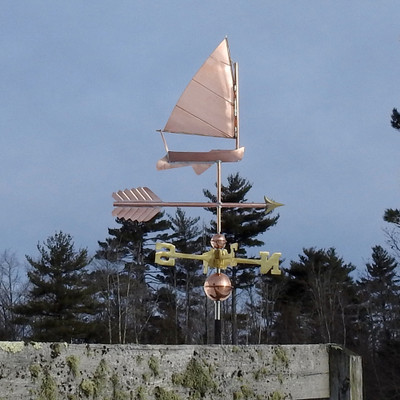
{"points": [[395, 121], [182, 283], [125, 274], [380, 290], [59, 305], [316, 305], [392, 216], [261, 309], [242, 226]]}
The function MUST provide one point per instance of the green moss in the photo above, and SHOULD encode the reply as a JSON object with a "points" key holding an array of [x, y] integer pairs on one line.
{"points": [[73, 365], [154, 366], [114, 380], [146, 378], [260, 373], [162, 394], [139, 359], [95, 386], [140, 393], [260, 353], [88, 350], [197, 376], [117, 393], [247, 392], [87, 387], [35, 370], [237, 395], [276, 396], [48, 388], [55, 349], [120, 395], [100, 377], [280, 356]]}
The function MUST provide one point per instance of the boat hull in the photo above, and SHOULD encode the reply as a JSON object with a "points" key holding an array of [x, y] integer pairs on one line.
{"points": [[200, 161]]}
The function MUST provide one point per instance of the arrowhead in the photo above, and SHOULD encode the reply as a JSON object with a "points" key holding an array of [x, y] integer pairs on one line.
{"points": [[270, 205]]}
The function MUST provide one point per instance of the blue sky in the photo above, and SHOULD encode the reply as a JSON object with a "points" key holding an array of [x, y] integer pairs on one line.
{"points": [[85, 84]]}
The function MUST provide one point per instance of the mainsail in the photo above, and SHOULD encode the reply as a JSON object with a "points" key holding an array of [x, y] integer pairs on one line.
{"points": [[207, 107]]}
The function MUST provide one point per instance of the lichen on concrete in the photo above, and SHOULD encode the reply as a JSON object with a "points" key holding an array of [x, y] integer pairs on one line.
{"points": [[154, 366], [35, 370], [197, 376], [260, 373], [163, 394], [87, 387], [12, 347], [48, 388], [280, 356], [277, 396], [73, 365], [100, 377], [132, 372], [56, 348]]}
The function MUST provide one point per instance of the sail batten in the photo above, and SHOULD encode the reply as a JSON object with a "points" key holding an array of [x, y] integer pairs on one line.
{"points": [[204, 122], [209, 98], [214, 92]]}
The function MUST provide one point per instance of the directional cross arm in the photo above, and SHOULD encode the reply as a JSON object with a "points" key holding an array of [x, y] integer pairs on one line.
{"points": [[167, 254], [265, 262], [218, 258]]}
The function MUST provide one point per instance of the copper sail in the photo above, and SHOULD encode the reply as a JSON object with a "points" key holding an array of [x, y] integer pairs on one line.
{"points": [[207, 107]]}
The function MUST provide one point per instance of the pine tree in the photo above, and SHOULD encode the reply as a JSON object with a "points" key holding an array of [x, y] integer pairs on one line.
{"points": [[242, 226], [392, 216], [380, 291], [187, 237], [181, 283], [59, 304], [125, 274], [395, 121], [316, 303]]}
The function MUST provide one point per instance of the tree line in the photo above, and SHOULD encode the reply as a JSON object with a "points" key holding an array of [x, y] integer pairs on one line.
{"points": [[121, 296]]}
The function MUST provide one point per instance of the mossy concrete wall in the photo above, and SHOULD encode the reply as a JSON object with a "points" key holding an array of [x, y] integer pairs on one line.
{"points": [[55, 371]]}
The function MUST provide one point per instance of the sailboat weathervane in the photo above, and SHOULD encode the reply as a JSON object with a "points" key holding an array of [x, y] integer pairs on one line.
{"points": [[209, 106]]}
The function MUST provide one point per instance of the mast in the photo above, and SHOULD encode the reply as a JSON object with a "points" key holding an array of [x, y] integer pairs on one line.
{"points": [[236, 91]]}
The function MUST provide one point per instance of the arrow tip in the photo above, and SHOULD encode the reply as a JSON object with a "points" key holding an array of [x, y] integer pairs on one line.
{"points": [[270, 205]]}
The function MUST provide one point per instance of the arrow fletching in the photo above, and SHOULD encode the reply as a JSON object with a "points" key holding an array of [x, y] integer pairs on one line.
{"points": [[139, 195]]}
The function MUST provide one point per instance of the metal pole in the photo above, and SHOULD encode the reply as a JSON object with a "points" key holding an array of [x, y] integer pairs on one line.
{"points": [[217, 316], [219, 201], [217, 323], [236, 66]]}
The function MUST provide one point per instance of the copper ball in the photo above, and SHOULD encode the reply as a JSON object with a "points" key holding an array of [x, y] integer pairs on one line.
{"points": [[218, 287], [218, 241]]}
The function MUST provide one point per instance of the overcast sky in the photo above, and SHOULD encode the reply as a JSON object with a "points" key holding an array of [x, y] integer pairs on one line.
{"points": [[85, 84]]}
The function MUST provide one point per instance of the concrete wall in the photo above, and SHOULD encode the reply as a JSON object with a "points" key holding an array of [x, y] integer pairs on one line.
{"points": [[55, 371]]}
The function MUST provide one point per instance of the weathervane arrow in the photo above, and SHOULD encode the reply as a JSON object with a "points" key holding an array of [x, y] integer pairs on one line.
{"points": [[142, 204]]}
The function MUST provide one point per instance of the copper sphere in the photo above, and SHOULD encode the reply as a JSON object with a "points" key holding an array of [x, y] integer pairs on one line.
{"points": [[218, 241], [218, 287]]}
